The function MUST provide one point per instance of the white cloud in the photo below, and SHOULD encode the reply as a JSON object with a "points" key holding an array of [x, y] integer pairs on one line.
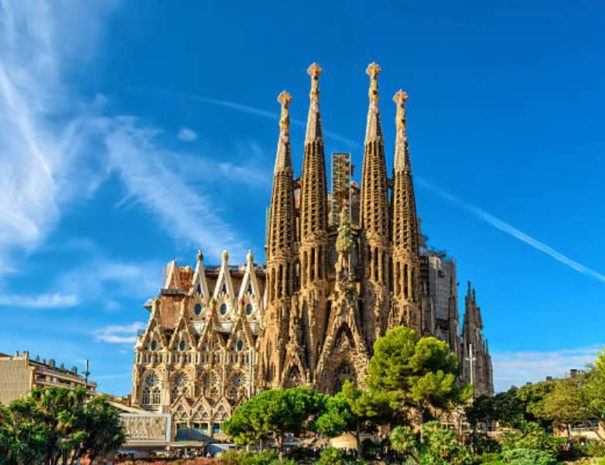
{"points": [[506, 228], [187, 135], [57, 148], [119, 334], [105, 280], [518, 368], [55, 300]]}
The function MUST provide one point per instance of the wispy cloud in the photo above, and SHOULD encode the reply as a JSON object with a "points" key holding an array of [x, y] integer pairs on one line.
{"points": [[518, 368], [119, 334], [512, 231], [40, 301], [57, 146], [187, 135], [273, 115], [104, 280]]}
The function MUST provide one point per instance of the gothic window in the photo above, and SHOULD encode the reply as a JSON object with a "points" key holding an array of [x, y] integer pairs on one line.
{"points": [[154, 345], [223, 309], [224, 288], [249, 309], [204, 383], [151, 390], [239, 345], [234, 386], [197, 309], [293, 379], [198, 289], [182, 345], [249, 288], [180, 385]]}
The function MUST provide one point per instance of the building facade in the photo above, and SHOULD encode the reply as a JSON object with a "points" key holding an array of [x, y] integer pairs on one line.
{"points": [[19, 374], [341, 269]]}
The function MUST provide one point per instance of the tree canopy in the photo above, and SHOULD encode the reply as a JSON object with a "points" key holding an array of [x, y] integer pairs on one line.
{"points": [[57, 426], [415, 376], [273, 413]]}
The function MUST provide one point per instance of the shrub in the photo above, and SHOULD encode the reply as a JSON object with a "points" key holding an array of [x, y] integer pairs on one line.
{"points": [[331, 456], [528, 457], [595, 449], [531, 436], [242, 457]]}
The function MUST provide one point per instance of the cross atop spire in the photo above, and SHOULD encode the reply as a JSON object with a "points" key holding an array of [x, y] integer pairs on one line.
{"points": [[314, 71], [373, 70]]}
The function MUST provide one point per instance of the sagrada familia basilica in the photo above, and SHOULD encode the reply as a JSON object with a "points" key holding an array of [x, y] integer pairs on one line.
{"points": [[341, 269]]}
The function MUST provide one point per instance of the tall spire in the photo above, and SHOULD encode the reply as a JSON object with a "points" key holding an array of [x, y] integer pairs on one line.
{"points": [[373, 127], [374, 216], [281, 257], [313, 251], [314, 208], [374, 202], [283, 159], [281, 237], [314, 119], [405, 222], [406, 261]]}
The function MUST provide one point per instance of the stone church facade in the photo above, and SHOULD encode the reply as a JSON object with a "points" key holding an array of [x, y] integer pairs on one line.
{"points": [[341, 269]]}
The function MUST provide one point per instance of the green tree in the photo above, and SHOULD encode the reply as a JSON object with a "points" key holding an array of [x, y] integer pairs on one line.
{"points": [[438, 446], [57, 426], [505, 408], [533, 396], [567, 403], [351, 410], [273, 413], [404, 441], [415, 376], [23, 437], [594, 388]]}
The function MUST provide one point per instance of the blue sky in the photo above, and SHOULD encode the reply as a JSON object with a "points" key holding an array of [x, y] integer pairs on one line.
{"points": [[132, 133]]}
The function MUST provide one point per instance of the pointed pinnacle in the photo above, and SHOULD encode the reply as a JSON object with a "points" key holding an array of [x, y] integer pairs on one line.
{"points": [[314, 71], [400, 98], [284, 98], [373, 70]]}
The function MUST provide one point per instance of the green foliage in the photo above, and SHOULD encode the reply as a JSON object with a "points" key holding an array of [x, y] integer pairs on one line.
{"points": [[505, 408], [414, 375], [350, 410], [442, 447], [404, 441], [533, 398], [530, 436], [595, 387], [524, 456], [241, 457], [57, 426], [566, 403], [438, 446], [331, 456], [273, 413]]}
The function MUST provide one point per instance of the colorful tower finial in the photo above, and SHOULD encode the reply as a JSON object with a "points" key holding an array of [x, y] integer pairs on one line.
{"points": [[373, 70], [400, 98], [284, 98], [314, 70]]}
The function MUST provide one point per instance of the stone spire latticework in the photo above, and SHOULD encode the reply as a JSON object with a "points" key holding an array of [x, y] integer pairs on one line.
{"points": [[313, 253], [281, 250], [406, 263], [374, 220]]}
